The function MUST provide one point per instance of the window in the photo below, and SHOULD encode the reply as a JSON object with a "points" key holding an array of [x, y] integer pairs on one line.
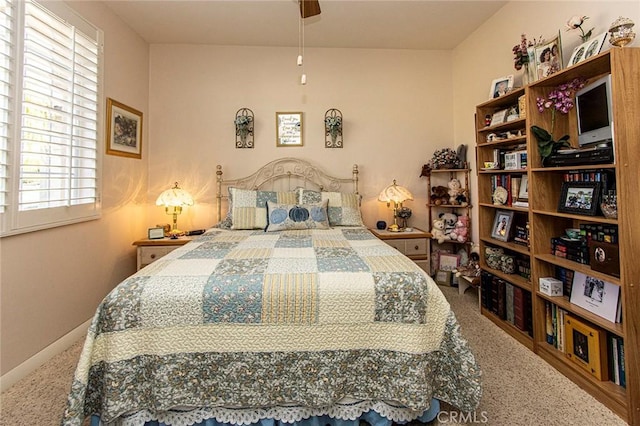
{"points": [[51, 116]]}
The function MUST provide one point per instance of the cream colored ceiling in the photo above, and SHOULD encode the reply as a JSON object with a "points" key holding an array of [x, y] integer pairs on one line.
{"points": [[389, 24]]}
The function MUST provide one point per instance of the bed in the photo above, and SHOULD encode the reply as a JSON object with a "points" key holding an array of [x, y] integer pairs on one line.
{"points": [[287, 311]]}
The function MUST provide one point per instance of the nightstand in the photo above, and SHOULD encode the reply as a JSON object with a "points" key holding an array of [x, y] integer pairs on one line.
{"points": [[151, 250], [413, 244]]}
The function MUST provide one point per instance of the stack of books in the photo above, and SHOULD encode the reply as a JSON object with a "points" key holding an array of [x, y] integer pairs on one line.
{"points": [[576, 250]]}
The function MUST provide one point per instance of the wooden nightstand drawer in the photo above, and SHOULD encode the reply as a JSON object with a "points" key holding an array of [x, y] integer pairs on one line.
{"points": [[151, 254], [151, 250], [413, 246]]}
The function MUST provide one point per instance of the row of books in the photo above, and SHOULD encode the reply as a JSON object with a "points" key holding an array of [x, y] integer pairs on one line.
{"points": [[507, 301], [599, 232], [607, 177], [577, 251], [556, 336]]}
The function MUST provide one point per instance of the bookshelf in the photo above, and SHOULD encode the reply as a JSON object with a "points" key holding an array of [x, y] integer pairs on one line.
{"points": [[545, 223], [441, 177]]}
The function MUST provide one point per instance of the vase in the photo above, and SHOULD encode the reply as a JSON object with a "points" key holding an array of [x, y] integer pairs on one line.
{"points": [[243, 132], [525, 75]]}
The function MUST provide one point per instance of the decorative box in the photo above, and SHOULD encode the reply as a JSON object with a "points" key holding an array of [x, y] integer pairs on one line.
{"points": [[604, 257], [515, 160], [550, 286]]}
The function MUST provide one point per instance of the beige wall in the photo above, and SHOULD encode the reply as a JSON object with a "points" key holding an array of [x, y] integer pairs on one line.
{"points": [[486, 54], [396, 104], [52, 281]]}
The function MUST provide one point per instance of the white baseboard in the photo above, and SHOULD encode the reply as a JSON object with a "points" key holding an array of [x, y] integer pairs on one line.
{"points": [[57, 347]]}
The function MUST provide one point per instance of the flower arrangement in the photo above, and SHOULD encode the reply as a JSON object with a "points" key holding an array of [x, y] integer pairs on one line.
{"points": [[560, 99], [333, 122], [575, 23], [521, 56], [243, 120], [445, 158]]}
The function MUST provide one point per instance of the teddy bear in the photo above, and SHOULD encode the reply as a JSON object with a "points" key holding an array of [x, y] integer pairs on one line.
{"points": [[437, 230], [450, 220], [456, 193], [461, 230], [439, 195]]}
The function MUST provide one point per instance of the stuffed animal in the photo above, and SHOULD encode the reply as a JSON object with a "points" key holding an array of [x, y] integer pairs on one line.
{"points": [[450, 220], [472, 268], [437, 230], [461, 230], [439, 195], [456, 193]]}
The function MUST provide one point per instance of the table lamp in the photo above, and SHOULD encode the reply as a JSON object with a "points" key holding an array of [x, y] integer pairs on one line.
{"points": [[395, 194], [177, 198]]}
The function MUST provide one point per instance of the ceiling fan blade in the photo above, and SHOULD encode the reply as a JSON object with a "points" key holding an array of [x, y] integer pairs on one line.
{"points": [[309, 8]]}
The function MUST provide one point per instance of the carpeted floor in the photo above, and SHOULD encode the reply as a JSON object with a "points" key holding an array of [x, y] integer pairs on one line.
{"points": [[519, 388]]}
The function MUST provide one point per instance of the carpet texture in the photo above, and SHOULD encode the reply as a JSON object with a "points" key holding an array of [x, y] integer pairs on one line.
{"points": [[519, 388]]}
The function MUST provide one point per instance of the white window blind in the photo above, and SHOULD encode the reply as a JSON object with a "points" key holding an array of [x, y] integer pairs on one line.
{"points": [[6, 99], [56, 177]]}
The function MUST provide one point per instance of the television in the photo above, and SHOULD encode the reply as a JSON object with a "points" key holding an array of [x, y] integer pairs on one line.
{"points": [[594, 112]]}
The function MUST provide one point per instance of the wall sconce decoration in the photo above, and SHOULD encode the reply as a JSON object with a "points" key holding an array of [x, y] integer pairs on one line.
{"points": [[173, 200], [244, 128], [333, 128], [621, 32]]}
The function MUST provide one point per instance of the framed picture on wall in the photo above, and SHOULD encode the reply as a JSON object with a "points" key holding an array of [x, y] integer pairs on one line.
{"points": [[288, 129], [124, 130]]}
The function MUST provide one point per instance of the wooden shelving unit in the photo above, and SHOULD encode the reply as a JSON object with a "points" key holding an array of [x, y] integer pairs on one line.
{"points": [[545, 222], [442, 177]]}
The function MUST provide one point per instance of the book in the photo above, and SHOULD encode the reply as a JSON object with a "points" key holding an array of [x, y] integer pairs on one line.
{"points": [[509, 300], [548, 322], [518, 308]]}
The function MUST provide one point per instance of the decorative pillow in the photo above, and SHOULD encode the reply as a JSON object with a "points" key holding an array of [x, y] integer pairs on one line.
{"points": [[343, 208], [297, 216], [249, 207]]}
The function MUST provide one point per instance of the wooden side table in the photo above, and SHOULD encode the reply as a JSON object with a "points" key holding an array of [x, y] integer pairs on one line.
{"points": [[151, 250], [414, 244]]}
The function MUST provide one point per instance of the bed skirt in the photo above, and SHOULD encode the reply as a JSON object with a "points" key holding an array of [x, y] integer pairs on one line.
{"points": [[371, 417]]}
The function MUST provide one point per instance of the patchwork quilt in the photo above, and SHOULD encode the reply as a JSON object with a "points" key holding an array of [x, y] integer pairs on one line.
{"points": [[245, 319]]}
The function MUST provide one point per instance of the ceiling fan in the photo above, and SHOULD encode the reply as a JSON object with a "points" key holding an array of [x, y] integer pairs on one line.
{"points": [[309, 8]]}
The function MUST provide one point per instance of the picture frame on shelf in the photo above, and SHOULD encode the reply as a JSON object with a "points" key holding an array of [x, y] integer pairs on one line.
{"points": [[443, 277], [548, 57], [595, 295], [498, 117], [124, 130], [501, 228], [579, 198], [501, 86], [586, 346], [587, 49], [523, 191], [449, 261]]}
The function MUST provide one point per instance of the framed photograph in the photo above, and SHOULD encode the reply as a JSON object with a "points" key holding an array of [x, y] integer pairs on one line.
{"points": [[288, 129], [548, 57], [595, 295], [523, 192], [502, 225], [579, 198], [449, 261], [124, 130], [498, 117], [587, 49], [443, 277], [586, 345], [156, 233], [501, 86]]}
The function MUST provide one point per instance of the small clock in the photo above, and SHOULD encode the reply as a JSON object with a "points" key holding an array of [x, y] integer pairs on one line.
{"points": [[500, 196], [156, 233]]}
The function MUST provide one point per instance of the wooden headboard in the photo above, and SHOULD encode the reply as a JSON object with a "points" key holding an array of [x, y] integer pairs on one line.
{"points": [[290, 172]]}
